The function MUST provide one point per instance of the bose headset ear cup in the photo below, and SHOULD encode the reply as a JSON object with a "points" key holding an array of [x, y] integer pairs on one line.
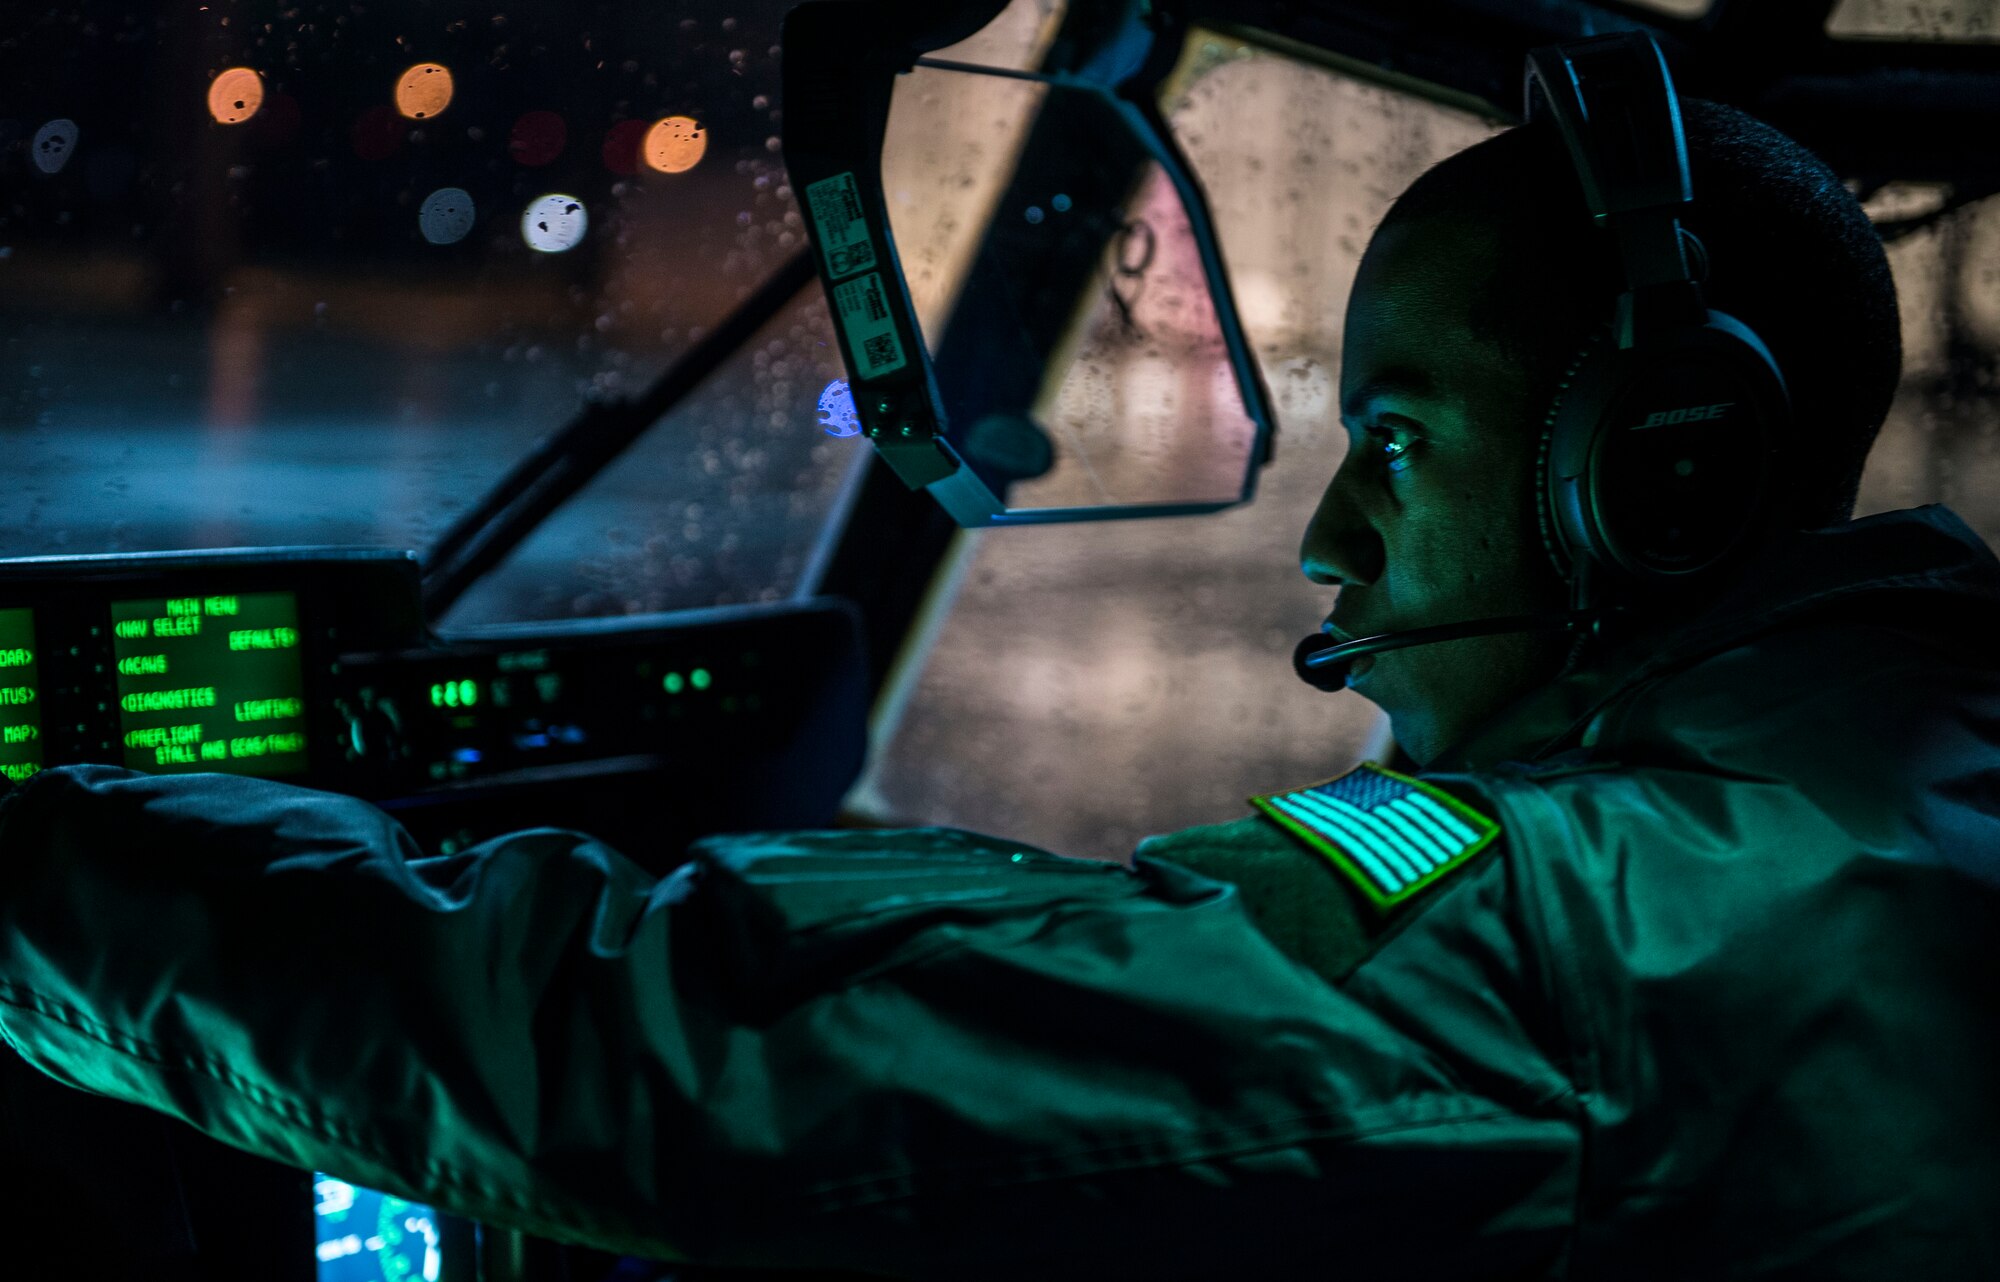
{"points": [[1563, 553], [1656, 456], [1659, 457]]}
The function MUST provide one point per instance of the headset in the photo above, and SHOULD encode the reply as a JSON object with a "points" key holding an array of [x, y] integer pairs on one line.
{"points": [[1658, 451]]}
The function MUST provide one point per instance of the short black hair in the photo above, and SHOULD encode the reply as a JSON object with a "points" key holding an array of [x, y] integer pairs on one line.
{"points": [[1791, 255]]}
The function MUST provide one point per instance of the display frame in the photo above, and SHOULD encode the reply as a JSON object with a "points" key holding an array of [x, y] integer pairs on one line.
{"points": [[72, 598]]}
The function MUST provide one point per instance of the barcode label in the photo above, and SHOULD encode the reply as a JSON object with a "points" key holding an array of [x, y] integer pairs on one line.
{"points": [[862, 308], [843, 233]]}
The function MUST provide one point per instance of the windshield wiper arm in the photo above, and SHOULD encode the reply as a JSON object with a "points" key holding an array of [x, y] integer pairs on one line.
{"points": [[566, 461]]}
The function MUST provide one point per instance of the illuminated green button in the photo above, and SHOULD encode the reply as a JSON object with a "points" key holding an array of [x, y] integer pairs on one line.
{"points": [[674, 683], [700, 678], [455, 694]]}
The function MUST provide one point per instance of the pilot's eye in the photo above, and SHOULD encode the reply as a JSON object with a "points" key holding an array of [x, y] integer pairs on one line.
{"points": [[1393, 445]]}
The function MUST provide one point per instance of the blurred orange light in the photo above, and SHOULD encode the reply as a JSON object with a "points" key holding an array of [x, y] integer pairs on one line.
{"points": [[424, 91], [235, 95], [674, 145]]}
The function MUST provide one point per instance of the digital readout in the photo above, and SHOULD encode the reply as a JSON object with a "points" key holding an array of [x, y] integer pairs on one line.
{"points": [[211, 683], [20, 696]]}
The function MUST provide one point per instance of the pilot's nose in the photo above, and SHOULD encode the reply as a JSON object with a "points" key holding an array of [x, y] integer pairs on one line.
{"points": [[1341, 546]]}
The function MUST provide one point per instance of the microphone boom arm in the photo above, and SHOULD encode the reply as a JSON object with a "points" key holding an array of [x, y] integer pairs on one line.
{"points": [[1325, 666]]}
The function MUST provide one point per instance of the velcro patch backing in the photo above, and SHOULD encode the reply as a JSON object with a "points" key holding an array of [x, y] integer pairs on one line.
{"points": [[1391, 834]]}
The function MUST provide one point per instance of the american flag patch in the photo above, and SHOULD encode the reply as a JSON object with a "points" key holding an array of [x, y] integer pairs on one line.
{"points": [[1392, 834]]}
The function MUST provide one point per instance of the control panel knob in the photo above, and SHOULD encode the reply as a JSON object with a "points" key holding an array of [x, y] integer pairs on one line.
{"points": [[374, 727]]}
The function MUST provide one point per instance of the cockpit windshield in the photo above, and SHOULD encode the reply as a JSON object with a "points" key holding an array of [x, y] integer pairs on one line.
{"points": [[283, 274], [277, 273]]}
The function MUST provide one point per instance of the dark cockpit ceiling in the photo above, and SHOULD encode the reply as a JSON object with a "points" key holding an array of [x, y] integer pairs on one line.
{"points": [[1873, 89]]}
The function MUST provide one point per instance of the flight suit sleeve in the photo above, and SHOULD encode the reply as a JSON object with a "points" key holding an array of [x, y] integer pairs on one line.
{"points": [[1293, 895], [922, 1054]]}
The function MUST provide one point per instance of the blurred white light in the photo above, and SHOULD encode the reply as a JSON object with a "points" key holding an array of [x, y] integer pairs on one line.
{"points": [[54, 142], [446, 216], [554, 223]]}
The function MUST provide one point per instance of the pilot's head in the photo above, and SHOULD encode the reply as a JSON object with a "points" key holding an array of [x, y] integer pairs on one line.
{"points": [[1480, 284]]}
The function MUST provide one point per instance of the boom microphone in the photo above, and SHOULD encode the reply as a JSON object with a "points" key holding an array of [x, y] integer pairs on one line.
{"points": [[1325, 667]]}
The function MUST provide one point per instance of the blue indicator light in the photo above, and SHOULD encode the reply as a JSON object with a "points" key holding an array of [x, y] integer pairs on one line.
{"points": [[837, 416], [1034, 215], [470, 756], [1060, 203]]}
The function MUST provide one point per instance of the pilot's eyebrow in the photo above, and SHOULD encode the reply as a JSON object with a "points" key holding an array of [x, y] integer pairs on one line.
{"points": [[1398, 381]]}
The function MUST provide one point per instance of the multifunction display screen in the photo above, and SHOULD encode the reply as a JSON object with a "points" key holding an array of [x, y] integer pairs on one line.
{"points": [[366, 1236], [20, 696], [211, 683]]}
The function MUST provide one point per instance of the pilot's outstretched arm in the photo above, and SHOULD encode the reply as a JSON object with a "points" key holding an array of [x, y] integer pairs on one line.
{"points": [[925, 1054]]}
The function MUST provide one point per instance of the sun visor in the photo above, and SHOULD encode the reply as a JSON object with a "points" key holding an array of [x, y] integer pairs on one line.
{"points": [[1030, 299]]}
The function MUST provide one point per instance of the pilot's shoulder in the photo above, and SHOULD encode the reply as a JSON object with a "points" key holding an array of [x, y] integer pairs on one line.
{"points": [[1393, 836]]}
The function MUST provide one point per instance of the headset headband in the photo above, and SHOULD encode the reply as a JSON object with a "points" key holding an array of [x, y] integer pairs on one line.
{"points": [[1615, 104]]}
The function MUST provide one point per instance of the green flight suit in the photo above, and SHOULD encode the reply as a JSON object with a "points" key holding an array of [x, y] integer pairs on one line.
{"points": [[1724, 1002]]}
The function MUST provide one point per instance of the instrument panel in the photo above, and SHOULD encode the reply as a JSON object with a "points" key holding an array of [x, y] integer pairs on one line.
{"points": [[314, 666]]}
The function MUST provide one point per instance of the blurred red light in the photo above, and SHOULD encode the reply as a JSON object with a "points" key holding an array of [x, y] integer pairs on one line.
{"points": [[537, 138], [378, 132], [621, 146]]}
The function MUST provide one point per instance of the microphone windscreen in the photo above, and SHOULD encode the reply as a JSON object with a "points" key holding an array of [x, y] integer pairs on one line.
{"points": [[1332, 676]]}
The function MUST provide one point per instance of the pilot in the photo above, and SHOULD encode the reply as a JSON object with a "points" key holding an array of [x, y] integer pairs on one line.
{"points": [[1674, 956]]}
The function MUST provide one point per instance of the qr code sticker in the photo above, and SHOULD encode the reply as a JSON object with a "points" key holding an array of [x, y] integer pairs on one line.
{"points": [[861, 306]]}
